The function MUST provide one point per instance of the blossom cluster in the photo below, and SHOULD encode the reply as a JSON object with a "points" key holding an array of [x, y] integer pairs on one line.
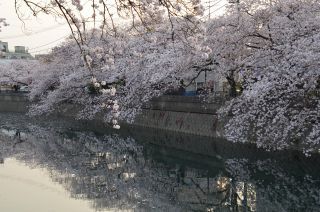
{"points": [[104, 89]]}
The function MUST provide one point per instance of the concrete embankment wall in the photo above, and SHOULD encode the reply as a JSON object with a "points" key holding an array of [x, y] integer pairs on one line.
{"points": [[194, 123], [174, 113]]}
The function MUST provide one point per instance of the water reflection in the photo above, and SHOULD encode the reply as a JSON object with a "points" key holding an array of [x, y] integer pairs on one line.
{"points": [[119, 173], [24, 189]]}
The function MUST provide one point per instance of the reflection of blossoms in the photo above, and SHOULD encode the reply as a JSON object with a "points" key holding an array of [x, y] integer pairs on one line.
{"points": [[108, 168], [238, 168], [115, 172], [280, 191]]}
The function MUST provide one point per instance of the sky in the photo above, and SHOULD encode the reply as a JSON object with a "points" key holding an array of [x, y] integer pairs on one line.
{"points": [[40, 34]]}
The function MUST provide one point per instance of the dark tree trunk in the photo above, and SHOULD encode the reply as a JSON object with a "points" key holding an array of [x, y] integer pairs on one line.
{"points": [[232, 83]]}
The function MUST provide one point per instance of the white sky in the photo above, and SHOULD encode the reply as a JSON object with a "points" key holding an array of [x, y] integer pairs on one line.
{"points": [[43, 30], [42, 33]]}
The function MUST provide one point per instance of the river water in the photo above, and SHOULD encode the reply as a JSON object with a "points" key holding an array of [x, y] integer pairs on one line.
{"points": [[62, 166]]}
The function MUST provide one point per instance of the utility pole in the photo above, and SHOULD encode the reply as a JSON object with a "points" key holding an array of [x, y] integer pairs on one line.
{"points": [[237, 2]]}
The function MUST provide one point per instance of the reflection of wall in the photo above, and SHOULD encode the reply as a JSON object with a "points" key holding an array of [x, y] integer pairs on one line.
{"points": [[13, 103]]}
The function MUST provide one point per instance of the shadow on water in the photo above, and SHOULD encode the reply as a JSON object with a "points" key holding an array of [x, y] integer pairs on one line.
{"points": [[152, 170]]}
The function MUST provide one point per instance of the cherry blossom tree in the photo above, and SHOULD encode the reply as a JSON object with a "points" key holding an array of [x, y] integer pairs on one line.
{"points": [[17, 72], [270, 47], [274, 46], [139, 66], [141, 16], [108, 15]]}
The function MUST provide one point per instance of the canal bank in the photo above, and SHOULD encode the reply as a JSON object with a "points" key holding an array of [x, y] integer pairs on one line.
{"points": [[161, 124], [189, 115]]}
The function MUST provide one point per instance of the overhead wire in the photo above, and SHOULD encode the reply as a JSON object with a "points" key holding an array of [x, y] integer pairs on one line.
{"points": [[219, 8], [210, 12], [214, 4], [41, 31], [32, 52], [61, 38], [32, 33]]}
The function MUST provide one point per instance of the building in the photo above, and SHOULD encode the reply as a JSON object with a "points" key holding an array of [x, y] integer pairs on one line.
{"points": [[20, 52], [206, 81]]}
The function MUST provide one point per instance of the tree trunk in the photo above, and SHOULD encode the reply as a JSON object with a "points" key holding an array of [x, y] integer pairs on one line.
{"points": [[232, 83]]}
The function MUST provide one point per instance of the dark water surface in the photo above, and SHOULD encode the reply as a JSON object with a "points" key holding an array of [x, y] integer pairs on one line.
{"points": [[60, 166]]}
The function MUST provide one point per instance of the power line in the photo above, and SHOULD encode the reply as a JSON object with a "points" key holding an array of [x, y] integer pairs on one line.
{"points": [[42, 30], [219, 8], [36, 32], [39, 50], [215, 3], [61, 38], [211, 6]]}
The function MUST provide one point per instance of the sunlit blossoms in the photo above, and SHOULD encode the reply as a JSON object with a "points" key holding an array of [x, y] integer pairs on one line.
{"points": [[276, 49]]}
